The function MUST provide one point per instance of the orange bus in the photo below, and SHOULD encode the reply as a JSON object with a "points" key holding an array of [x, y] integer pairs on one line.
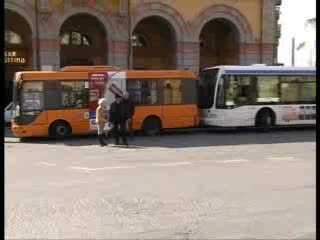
{"points": [[56, 103]]}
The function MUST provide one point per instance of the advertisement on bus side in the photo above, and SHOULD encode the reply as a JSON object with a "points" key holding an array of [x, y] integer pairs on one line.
{"points": [[97, 83]]}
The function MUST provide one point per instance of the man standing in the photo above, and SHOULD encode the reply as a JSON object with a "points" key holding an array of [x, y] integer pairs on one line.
{"points": [[118, 118], [129, 111]]}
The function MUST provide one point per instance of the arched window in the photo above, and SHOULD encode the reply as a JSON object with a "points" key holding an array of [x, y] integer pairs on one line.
{"points": [[75, 39], [12, 37], [139, 40]]}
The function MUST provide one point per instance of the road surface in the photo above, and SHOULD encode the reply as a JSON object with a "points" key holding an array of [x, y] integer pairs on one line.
{"points": [[189, 185]]}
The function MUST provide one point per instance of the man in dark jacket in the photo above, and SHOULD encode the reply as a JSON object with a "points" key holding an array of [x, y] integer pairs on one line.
{"points": [[118, 117], [129, 111]]}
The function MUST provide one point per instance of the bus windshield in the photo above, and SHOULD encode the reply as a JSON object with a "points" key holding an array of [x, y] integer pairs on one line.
{"points": [[31, 95], [206, 88]]}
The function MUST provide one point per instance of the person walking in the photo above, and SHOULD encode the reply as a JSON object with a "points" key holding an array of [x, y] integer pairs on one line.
{"points": [[129, 112], [101, 120], [118, 118]]}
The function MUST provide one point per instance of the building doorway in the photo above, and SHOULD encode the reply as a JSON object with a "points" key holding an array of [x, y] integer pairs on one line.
{"points": [[83, 41], [154, 44], [219, 44]]}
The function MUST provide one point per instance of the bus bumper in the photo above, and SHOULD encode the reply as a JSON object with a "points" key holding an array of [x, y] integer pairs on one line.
{"points": [[29, 131]]}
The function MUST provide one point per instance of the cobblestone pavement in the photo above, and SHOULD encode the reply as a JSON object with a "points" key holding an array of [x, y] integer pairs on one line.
{"points": [[182, 185]]}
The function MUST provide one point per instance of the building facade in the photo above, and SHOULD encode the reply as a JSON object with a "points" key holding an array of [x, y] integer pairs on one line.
{"points": [[138, 34]]}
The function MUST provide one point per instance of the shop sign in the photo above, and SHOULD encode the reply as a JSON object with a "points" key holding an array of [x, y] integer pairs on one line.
{"points": [[14, 57]]}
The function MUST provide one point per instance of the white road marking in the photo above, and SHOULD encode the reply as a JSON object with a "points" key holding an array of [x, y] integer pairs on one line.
{"points": [[86, 169], [174, 164], [47, 164], [103, 168], [280, 158], [232, 160]]}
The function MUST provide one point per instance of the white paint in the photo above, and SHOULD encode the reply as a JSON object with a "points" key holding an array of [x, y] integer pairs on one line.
{"points": [[47, 164], [174, 164], [280, 158], [103, 168], [232, 160]]}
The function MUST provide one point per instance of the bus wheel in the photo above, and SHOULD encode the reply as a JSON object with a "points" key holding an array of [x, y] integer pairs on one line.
{"points": [[60, 129], [264, 120], [152, 126]]}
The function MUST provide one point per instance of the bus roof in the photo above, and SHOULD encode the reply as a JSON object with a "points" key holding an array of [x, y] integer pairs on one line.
{"points": [[83, 75], [186, 74], [103, 68], [51, 75], [266, 70]]}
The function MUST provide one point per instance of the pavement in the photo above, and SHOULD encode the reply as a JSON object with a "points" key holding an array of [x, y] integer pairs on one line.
{"points": [[213, 184]]}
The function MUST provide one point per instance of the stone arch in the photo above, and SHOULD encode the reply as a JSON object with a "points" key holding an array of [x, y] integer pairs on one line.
{"points": [[160, 48], [165, 11], [18, 47], [225, 12], [58, 18], [21, 10], [219, 44], [172, 16]]}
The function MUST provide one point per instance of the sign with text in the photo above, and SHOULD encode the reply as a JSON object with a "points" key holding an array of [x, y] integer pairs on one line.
{"points": [[97, 84], [17, 57]]}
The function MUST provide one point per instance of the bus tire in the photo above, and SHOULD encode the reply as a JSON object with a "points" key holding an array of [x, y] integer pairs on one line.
{"points": [[152, 126], [264, 120], [60, 129]]}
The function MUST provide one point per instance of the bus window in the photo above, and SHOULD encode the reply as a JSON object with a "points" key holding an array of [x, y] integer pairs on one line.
{"points": [[240, 90], [268, 89], [143, 92], [74, 94], [189, 91], [32, 97], [206, 90], [172, 93], [307, 92], [220, 94], [52, 95], [298, 89]]}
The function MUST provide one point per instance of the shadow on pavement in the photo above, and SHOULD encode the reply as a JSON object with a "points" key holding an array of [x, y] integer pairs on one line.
{"points": [[194, 138]]}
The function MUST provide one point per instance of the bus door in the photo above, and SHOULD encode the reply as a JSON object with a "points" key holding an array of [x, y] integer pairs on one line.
{"points": [[239, 100]]}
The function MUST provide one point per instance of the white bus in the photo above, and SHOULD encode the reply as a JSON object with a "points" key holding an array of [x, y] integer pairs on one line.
{"points": [[257, 95]]}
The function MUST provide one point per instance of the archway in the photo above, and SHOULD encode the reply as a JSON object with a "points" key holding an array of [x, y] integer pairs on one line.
{"points": [[18, 48], [83, 41], [154, 44], [219, 43]]}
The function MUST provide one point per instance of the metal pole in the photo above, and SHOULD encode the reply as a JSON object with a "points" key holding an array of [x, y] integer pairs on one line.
{"points": [[293, 52], [37, 35], [261, 31], [129, 36]]}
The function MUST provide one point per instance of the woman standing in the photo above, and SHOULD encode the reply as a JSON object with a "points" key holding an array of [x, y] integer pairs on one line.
{"points": [[101, 119]]}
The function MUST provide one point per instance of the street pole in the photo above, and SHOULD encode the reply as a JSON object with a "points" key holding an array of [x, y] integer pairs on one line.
{"points": [[129, 36], [293, 52], [37, 35], [261, 31]]}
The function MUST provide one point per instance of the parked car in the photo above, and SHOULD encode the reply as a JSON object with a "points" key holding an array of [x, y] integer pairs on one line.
{"points": [[8, 113]]}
